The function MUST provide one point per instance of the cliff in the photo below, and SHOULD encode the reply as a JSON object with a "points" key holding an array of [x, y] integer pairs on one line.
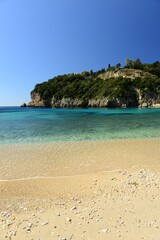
{"points": [[124, 87], [149, 100], [36, 100]]}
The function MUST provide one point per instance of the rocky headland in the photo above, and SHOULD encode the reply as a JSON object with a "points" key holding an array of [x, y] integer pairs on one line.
{"points": [[131, 86]]}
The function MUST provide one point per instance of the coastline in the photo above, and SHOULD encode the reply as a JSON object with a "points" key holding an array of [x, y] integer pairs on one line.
{"points": [[108, 189]]}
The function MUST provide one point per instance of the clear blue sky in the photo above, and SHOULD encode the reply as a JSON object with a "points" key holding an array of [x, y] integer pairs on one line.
{"points": [[40, 39]]}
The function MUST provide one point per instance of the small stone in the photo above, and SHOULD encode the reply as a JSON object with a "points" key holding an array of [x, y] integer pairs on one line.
{"points": [[45, 223], [9, 223], [71, 237], [118, 235], [28, 229], [94, 180], [73, 208], [30, 225], [14, 233], [105, 230], [3, 214], [41, 211], [69, 220]]}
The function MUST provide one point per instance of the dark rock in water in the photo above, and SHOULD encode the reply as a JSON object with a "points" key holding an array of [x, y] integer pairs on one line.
{"points": [[24, 105]]}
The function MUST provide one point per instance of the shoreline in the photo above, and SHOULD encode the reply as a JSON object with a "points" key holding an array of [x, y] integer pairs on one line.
{"points": [[75, 158]]}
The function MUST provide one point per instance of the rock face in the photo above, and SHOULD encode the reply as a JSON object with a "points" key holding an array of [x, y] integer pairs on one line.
{"points": [[36, 101], [98, 102], [148, 100], [68, 103], [125, 73]]}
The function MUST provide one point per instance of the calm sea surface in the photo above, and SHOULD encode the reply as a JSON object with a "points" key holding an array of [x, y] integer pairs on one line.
{"points": [[27, 125]]}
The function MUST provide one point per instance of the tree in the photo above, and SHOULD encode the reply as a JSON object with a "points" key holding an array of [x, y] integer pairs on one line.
{"points": [[118, 65], [129, 63], [109, 66], [91, 72], [137, 64], [85, 73]]}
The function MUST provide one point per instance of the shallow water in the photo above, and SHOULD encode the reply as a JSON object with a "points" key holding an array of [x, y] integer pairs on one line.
{"points": [[76, 158], [30, 125]]}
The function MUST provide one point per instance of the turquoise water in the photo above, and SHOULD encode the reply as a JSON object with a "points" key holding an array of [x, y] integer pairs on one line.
{"points": [[27, 125]]}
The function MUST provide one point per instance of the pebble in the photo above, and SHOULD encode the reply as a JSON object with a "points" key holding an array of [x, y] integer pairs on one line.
{"points": [[41, 211], [3, 214], [69, 220], [94, 180], [9, 222], [28, 229], [30, 225], [118, 235], [73, 208], [45, 223], [105, 230]]}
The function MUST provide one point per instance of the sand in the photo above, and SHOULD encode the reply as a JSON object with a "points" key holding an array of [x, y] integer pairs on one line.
{"points": [[92, 190]]}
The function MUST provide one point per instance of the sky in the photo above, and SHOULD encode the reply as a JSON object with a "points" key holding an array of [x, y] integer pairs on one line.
{"points": [[40, 39]]}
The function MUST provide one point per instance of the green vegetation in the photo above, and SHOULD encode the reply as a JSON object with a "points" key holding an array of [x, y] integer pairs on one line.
{"points": [[153, 68], [97, 85]]}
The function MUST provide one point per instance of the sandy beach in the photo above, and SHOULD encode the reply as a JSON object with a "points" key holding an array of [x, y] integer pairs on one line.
{"points": [[83, 190]]}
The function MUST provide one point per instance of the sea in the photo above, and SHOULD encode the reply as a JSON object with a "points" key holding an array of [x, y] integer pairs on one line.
{"points": [[46, 125]]}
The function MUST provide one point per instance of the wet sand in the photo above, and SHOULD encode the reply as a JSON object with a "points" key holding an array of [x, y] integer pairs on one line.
{"points": [[92, 190]]}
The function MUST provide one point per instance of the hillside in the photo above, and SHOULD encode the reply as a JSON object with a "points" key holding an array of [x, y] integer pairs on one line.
{"points": [[135, 85]]}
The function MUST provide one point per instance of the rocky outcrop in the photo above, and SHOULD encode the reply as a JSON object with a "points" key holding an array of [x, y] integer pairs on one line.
{"points": [[36, 101], [108, 103], [68, 102], [150, 99], [98, 102], [24, 105], [156, 105], [71, 103], [126, 73]]}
